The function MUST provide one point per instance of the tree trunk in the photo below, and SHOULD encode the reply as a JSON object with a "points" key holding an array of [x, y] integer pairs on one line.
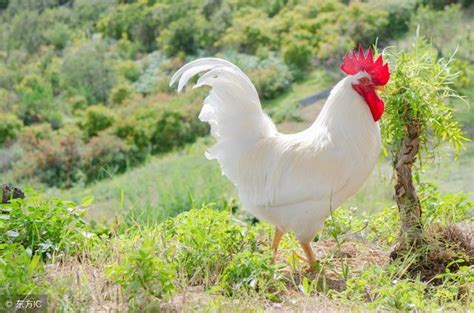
{"points": [[405, 193]]}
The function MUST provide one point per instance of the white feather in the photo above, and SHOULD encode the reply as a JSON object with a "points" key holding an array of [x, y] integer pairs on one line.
{"points": [[292, 181]]}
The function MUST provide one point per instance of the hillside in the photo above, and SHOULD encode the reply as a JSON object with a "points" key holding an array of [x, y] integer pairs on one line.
{"points": [[85, 83]]}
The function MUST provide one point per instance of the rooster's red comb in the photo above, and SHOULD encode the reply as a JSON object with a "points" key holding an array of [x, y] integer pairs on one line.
{"points": [[354, 63]]}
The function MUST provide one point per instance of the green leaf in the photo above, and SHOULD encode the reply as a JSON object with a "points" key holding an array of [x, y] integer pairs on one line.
{"points": [[87, 201]]}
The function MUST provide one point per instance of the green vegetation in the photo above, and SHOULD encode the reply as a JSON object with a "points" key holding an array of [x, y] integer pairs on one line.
{"points": [[34, 230], [225, 257], [161, 188], [420, 86], [44, 228], [86, 112], [100, 70], [9, 129]]}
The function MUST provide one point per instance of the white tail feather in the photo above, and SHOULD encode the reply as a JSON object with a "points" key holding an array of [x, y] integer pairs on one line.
{"points": [[232, 109]]}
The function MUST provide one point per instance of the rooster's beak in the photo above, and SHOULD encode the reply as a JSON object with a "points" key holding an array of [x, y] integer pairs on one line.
{"points": [[380, 88]]}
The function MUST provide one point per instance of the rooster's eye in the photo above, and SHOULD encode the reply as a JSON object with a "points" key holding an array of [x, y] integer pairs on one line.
{"points": [[364, 80]]}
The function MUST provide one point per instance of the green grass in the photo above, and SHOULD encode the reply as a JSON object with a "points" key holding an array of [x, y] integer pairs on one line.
{"points": [[162, 187], [208, 259]]}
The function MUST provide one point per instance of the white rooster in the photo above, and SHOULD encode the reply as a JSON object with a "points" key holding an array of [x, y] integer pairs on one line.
{"points": [[293, 181]]}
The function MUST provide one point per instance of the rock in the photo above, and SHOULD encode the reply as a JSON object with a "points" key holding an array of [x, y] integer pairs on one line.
{"points": [[10, 192]]}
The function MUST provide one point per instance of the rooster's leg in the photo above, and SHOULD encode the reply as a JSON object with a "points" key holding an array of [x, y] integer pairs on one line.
{"points": [[308, 251], [276, 243]]}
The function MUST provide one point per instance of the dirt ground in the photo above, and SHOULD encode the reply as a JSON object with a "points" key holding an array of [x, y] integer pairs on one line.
{"points": [[87, 286]]}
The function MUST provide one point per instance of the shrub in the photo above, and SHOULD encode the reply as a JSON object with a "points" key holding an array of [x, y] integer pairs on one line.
{"points": [[36, 102], [129, 70], [86, 71], [441, 208], [43, 227], [155, 130], [126, 48], [121, 92], [218, 17], [14, 7], [90, 11], [19, 272], [77, 103], [51, 71], [159, 69], [297, 53], [326, 29], [30, 28], [136, 128], [55, 160], [25, 31], [143, 275], [201, 243], [105, 155], [138, 21], [151, 74], [31, 134], [252, 273], [363, 23], [58, 35], [271, 80], [7, 95], [399, 15], [270, 75], [251, 30], [288, 111], [61, 159], [171, 130], [10, 126], [97, 118], [181, 36], [419, 86]]}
